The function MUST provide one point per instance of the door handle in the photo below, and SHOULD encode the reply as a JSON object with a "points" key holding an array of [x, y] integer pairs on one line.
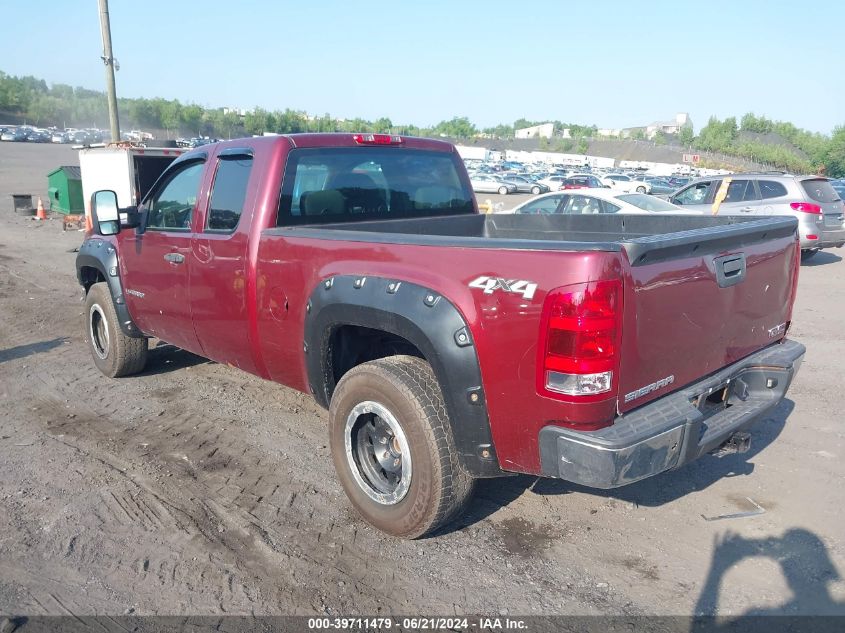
{"points": [[747, 209], [730, 269], [174, 258]]}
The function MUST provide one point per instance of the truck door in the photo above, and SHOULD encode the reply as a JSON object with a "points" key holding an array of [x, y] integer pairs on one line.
{"points": [[156, 264], [219, 264]]}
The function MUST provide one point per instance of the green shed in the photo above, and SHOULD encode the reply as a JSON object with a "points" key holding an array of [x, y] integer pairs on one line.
{"points": [[64, 190]]}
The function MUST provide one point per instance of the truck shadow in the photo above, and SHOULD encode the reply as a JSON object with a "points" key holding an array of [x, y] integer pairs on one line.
{"points": [[164, 357], [493, 494], [821, 258], [22, 351], [807, 569]]}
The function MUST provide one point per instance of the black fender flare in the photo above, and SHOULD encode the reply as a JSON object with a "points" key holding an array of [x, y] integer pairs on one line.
{"points": [[427, 320], [102, 256]]}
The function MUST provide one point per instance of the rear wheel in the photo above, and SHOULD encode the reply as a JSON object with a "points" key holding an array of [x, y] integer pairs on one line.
{"points": [[503, 191], [808, 254], [114, 353], [392, 447]]}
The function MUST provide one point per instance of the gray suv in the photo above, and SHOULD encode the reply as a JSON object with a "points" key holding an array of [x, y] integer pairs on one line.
{"points": [[810, 199]]}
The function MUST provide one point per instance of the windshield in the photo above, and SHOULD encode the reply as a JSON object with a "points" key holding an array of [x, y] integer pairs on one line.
{"points": [[365, 183], [647, 202]]}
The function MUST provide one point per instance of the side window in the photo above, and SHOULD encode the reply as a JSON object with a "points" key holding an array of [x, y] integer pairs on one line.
{"points": [[736, 191], [695, 194], [172, 206], [544, 206], [578, 205], [229, 193], [771, 189], [609, 207], [751, 194]]}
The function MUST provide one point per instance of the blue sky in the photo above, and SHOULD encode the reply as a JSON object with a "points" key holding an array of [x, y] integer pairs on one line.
{"points": [[611, 63]]}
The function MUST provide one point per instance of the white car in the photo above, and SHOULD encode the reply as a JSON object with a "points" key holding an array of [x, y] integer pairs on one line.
{"points": [[597, 201], [553, 182], [482, 183], [621, 182]]}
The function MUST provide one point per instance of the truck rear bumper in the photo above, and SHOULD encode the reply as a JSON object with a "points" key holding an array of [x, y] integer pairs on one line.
{"points": [[675, 429]]}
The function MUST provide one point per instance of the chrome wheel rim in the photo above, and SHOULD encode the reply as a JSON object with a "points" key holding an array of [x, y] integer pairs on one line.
{"points": [[98, 331], [377, 453]]}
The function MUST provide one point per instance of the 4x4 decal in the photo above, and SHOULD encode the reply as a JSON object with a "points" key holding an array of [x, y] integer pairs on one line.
{"points": [[515, 286]]}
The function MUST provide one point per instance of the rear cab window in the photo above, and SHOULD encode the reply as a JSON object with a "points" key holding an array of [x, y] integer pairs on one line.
{"points": [[228, 193], [324, 185]]}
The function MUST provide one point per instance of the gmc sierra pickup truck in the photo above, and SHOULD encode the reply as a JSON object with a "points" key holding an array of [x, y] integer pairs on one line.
{"points": [[447, 345]]}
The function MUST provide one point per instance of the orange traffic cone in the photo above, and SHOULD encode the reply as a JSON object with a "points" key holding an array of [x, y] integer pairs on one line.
{"points": [[40, 213]]}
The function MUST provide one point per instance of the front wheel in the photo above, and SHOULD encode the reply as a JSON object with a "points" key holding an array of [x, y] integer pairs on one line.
{"points": [[392, 447], [114, 353], [535, 190], [640, 189], [503, 191]]}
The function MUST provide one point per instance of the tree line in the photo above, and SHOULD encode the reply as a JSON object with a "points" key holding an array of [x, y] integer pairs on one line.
{"points": [[65, 106]]}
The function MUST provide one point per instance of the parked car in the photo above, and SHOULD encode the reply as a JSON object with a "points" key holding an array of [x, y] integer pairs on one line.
{"points": [[553, 182], [483, 183], [622, 182], [839, 187], [447, 345], [581, 181], [659, 186], [13, 134], [598, 201], [811, 199], [37, 136], [60, 136], [526, 185]]}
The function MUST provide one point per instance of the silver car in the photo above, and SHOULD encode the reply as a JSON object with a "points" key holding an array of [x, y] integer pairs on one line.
{"points": [[810, 199], [484, 183]]}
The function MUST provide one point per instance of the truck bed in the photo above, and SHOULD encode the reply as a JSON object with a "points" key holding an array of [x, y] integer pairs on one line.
{"points": [[644, 238]]}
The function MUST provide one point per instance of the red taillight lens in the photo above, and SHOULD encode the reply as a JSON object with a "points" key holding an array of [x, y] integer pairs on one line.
{"points": [[806, 207], [377, 139], [579, 339]]}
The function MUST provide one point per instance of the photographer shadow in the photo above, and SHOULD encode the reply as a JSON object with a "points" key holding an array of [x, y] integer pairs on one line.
{"points": [[807, 569]]}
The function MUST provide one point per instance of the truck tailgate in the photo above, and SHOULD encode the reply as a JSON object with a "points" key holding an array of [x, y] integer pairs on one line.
{"points": [[699, 300]]}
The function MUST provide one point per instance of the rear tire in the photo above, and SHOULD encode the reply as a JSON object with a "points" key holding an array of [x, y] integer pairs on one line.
{"points": [[808, 254], [114, 353], [392, 447]]}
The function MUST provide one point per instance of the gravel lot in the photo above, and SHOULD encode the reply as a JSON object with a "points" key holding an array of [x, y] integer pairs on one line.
{"points": [[194, 488]]}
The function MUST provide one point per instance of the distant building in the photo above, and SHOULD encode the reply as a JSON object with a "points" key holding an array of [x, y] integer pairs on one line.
{"points": [[238, 111], [538, 131], [681, 121]]}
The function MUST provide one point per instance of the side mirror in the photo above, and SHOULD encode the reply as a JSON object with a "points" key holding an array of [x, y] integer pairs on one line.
{"points": [[105, 214]]}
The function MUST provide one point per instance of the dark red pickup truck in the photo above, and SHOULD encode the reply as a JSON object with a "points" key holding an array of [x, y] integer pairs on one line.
{"points": [[448, 345]]}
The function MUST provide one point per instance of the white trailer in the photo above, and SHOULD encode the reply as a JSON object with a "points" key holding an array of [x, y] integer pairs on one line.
{"points": [[126, 170]]}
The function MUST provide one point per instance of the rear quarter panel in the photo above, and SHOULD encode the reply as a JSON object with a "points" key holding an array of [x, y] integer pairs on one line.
{"points": [[505, 326]]}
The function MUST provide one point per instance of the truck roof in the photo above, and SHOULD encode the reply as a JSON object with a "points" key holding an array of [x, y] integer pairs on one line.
{"points": [[327, 139]]}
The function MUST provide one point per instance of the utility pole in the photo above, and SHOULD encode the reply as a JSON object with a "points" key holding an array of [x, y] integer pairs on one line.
{"points": [[108, 60]]}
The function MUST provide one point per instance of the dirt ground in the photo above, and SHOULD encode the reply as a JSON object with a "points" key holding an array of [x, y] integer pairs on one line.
{"points": [[194, 488]]}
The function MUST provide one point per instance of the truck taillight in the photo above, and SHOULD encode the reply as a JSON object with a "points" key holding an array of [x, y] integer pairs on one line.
{"points": [[377, 139], [806, 207], [580, 335]]}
